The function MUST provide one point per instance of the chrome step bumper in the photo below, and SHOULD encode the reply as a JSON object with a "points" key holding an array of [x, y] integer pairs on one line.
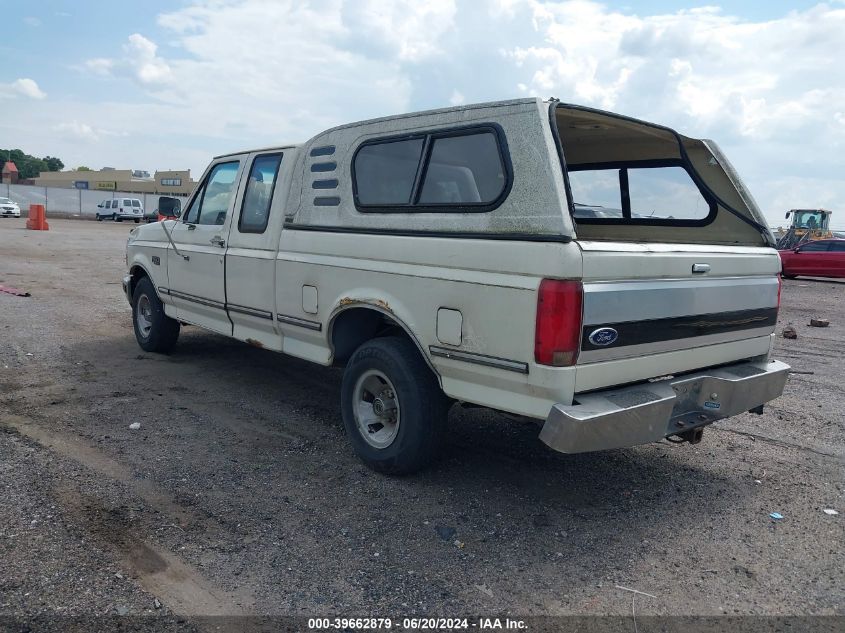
{"points": [[648, 412]]}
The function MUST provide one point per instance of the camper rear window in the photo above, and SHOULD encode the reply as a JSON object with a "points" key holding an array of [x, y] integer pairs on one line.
{"points": [[638, 193], [444, 171]]}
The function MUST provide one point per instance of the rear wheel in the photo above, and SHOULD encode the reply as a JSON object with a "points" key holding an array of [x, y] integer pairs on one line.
{"points": [[114, 218], [137, 221], [393, 409], [154, 330]]}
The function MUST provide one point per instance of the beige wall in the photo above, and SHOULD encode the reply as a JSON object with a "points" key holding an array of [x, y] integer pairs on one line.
{"points": [[120, 180]]}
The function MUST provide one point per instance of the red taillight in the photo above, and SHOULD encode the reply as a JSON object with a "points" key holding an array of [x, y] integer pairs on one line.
{"points": [[557, 337]]}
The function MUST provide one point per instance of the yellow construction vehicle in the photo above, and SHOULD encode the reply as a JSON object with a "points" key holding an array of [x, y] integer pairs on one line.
{"points": [[807, 224]]}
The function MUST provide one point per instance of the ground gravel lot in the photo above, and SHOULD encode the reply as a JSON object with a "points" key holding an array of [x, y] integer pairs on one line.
{"points": [[240, 495]]}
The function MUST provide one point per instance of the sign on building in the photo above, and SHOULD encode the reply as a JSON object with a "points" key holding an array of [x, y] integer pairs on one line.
{"points": [[111, 186], [80, 184]]}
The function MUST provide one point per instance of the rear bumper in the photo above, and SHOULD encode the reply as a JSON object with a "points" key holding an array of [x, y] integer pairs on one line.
{"points": [[648, 412]]}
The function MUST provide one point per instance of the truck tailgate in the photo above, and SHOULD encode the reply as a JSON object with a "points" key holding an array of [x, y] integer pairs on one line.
{"points": [[647, 313]]}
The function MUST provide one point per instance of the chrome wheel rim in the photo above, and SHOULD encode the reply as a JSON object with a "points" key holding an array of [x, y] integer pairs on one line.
{"points": [[144, 315], [376, 409]]}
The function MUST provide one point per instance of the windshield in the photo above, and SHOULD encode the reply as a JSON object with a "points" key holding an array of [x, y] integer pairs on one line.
{"points": [[5, 201], [809, 219]]}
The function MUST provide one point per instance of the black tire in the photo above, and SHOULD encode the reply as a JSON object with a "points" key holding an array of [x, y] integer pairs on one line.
{"points": [[137, 221], [422, 406], [785, 276], [99, 218], [163, 331], [114, 218]]}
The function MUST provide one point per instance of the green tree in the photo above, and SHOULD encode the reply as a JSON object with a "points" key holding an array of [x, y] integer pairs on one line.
{"points": [[53, 163], [82, 168], [30, 166]]}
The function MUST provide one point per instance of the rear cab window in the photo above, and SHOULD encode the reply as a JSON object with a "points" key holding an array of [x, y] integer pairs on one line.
{"points": [[255, 210], [455, 170]]}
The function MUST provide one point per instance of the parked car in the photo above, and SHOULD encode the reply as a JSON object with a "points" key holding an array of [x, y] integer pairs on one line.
{"points": [[119, 209], [9, 208], [437, 258], [151, 215], [819, 258]]}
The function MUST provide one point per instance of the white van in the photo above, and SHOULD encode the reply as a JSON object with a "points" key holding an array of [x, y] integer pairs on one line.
{"points": [[119, 209]]}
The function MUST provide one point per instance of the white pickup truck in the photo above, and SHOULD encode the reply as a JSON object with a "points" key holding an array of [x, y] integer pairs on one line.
{"points": [[602, 274]]}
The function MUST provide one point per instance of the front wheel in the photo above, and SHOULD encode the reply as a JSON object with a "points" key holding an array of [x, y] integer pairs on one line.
{"points": [[99, 218], [154, 330], [393, 409]]}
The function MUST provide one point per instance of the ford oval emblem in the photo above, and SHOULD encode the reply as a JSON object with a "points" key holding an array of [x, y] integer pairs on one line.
{"points": [[603, 336]]}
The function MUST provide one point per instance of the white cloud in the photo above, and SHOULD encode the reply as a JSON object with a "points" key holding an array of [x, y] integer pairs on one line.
{"points": [[100, 65], [22, 88], [31, 20], [147, 67], [411, 29], [457, 98], [76, 131]]}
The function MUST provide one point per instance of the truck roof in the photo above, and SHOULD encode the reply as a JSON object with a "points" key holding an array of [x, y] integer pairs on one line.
{"points": [[260, 149]]}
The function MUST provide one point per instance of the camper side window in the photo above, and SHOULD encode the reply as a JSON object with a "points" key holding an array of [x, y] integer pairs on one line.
{"points": [[451, 170]]}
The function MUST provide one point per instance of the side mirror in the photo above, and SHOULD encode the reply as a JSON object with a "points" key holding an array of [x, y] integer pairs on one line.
{"points": [[797, 249], [170, 206], [787, 214]]}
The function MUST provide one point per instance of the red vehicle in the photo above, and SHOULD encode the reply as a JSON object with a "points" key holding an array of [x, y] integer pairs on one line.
{"points": [[819, 258]]}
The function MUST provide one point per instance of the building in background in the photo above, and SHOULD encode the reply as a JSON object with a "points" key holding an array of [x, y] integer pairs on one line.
{"points": [[177, 182], [9, 173]]}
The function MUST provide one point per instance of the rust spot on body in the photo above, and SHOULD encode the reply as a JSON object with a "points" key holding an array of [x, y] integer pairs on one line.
{"points": [[378, 302], [255, 343]]}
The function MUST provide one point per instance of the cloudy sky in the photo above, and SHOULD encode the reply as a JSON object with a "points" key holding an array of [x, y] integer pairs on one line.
{"points": [[166, 85]]}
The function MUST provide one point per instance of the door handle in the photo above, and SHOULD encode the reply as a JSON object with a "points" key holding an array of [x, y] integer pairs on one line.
{"points": [[218, 241], [701, 268]]}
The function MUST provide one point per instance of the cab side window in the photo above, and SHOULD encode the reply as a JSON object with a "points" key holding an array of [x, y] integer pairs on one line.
{"points": [[255, 211], [212, 202], [193, 212]]}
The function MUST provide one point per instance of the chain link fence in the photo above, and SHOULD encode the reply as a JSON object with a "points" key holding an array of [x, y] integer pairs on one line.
{"points": [[72, 202]]}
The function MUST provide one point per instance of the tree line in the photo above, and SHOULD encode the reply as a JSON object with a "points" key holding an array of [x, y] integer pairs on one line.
{"points": [[30, 166]]}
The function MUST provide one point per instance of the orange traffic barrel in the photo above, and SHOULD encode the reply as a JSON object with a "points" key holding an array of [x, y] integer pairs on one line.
{"points": [[37, 218]]}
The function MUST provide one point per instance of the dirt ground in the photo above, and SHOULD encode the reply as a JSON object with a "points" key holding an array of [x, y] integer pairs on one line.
{"points": [[240, 495]]}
